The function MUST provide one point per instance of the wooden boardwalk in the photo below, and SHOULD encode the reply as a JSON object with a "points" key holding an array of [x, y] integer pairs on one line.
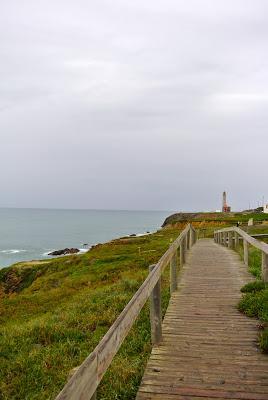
{"points": [[209, 350]]}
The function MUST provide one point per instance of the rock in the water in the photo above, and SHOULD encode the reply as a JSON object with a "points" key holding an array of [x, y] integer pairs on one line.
{"points": [[63, 252]]}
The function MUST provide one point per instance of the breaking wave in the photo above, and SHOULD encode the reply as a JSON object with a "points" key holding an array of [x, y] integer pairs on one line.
{"points": [[12, 251]]}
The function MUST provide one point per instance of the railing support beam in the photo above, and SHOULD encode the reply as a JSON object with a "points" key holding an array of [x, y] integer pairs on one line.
{"points": [[236, 240], [156, 312], [230, 240], [86, 379], [245, 246], [188, 240], [264, 268], [182, 252], [247, 240], [173, 274], [192, 239]]}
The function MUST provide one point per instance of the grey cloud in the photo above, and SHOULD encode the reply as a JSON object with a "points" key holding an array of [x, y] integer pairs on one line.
{"points": [[122, 104]]}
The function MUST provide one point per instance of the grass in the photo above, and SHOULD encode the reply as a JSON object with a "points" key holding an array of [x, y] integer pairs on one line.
{"points": [[254, 302], [52, 315], [254, 260], [217, 217]]}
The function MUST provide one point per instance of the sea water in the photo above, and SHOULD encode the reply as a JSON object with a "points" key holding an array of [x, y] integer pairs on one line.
{"points": [[30, 234]]}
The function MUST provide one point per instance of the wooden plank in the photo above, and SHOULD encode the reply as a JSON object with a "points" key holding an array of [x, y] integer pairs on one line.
{"points": [[245, 246], [182, 253], [84, 382], [209, 350], [264, 267], [254, 242], [155, 312], [173, 274], [196, 392]]}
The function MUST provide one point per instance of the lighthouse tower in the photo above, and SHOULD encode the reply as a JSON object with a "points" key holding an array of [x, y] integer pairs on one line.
{"points": [[225, 207]]}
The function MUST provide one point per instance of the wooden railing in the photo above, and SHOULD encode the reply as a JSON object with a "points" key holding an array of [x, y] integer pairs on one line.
{"points": [[83, 384], [230, 237]]}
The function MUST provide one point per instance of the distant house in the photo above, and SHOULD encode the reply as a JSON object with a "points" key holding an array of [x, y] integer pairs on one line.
{"points": [[265, 208]]}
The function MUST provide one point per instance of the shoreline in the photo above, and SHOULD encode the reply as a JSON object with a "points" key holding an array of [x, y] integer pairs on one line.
{"points": [[46, 258], [28, 234]]}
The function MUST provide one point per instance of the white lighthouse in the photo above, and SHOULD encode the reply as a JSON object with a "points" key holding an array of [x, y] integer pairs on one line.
{"points": [[265, 208]]}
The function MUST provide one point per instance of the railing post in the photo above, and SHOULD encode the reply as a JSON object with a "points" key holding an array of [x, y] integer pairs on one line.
{"points": [[173, 274], [155, 311], [245, 245], [230, 240], [236, 240], [192, 237], [182, 252], [264, 267], [224, 238], [188, 240]]}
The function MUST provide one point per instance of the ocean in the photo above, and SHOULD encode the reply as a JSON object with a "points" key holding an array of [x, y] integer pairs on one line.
{"points": [[29, 234]]}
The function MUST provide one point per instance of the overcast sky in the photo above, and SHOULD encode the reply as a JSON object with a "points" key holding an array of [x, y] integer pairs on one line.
{"points": [[122, 104]]}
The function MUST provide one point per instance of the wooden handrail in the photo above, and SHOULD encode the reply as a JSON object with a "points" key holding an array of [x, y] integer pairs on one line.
{"points": [[83, 384], [220, 237]]}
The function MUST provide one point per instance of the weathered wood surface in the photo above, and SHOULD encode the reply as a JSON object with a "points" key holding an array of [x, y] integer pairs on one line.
{"points": [[247, 239], [156, 312], [209, 350], [250, 239], [83, 384]]}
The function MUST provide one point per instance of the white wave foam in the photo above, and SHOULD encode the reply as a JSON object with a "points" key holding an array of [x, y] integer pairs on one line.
{"points": [[143, 234], [83, 250], [12, 251], [47, 252]]}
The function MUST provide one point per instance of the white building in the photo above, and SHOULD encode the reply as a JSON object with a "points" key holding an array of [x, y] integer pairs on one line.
{"points": [[265, 208]]}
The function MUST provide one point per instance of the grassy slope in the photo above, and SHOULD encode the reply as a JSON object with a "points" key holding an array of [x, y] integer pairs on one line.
{"points": [[218, 217], [254, 302], [55, 314]]}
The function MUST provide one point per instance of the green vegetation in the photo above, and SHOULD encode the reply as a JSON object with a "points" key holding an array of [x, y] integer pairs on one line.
{"points": [[254, 302], [53, 314], [259, 229], [254, 260], [253, 287], [216, 217]]}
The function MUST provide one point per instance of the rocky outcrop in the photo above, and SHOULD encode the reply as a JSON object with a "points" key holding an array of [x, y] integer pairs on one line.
{"points": [[63, 252], [180, 217]]}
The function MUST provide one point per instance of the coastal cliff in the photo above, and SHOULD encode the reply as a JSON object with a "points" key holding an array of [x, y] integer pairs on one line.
{"points": [[182, 218]]}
